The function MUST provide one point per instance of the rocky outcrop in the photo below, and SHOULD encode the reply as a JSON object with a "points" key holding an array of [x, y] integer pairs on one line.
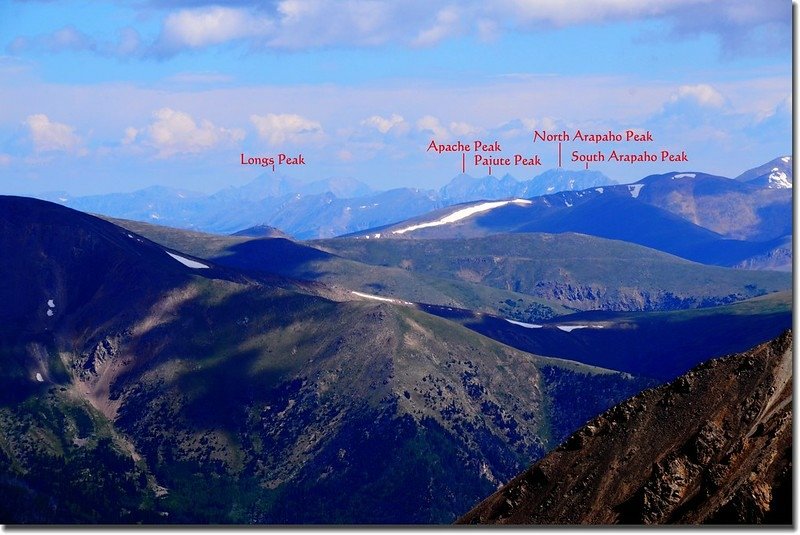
{"points": [[713, 446], [621, 299]]}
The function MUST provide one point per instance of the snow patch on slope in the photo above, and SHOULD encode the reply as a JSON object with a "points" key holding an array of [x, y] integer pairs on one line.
{"points": [[526, 325], [778, 180], [379, 298], [187, 262], [570, 328], [635, 189], [458, 215]]}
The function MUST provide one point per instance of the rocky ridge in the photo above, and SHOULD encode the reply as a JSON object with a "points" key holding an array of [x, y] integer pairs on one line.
{"points": [[713, 446]]}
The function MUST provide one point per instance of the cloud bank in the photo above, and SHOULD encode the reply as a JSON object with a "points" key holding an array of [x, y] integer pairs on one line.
{"points": [[742, 27]]}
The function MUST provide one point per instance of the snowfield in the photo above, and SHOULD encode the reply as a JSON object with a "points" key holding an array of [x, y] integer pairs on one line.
{"points": [[379, 298], [779, 180], [526, 325], [570, 328], [635, 189], [464, 213], [187, 262]]}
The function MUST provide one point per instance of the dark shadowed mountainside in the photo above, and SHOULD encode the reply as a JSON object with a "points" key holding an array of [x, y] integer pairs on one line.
{"points": [[714, 446], [662, 345]]}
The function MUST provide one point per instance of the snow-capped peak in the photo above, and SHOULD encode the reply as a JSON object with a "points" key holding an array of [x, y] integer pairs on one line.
{"points": [[778, 180]]}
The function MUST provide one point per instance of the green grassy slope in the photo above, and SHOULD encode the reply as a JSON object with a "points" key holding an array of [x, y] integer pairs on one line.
{"points": [[579, 271]]}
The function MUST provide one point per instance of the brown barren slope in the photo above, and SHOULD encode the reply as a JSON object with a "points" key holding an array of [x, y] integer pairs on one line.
{"points": [[713, 446]]}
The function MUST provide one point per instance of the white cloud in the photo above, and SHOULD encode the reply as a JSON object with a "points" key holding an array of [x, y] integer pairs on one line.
{"points": [[741, 26], [488, 30], [614, 102], [175, 132], [782, 109], [702, 94], [69, 38], [285, 127], [431, 124], [384, 124], [49, 135], [591, 11], [66, 38], [317, 23], [130, 135], [130, 42], [463, 129], [446, 25], [203, 77], [774, 122], [201, 27]]}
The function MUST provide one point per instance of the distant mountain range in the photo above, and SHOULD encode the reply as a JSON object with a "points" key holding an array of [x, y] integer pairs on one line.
{"points": [[464, 188], [700, 217], [320, 209], [751, 207]]}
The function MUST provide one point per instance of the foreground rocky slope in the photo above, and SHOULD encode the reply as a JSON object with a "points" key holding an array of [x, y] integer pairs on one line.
{"points": [[714, 446]]}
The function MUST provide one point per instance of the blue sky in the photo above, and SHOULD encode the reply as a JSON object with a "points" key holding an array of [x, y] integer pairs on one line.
{"points": [[114, 96]]}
